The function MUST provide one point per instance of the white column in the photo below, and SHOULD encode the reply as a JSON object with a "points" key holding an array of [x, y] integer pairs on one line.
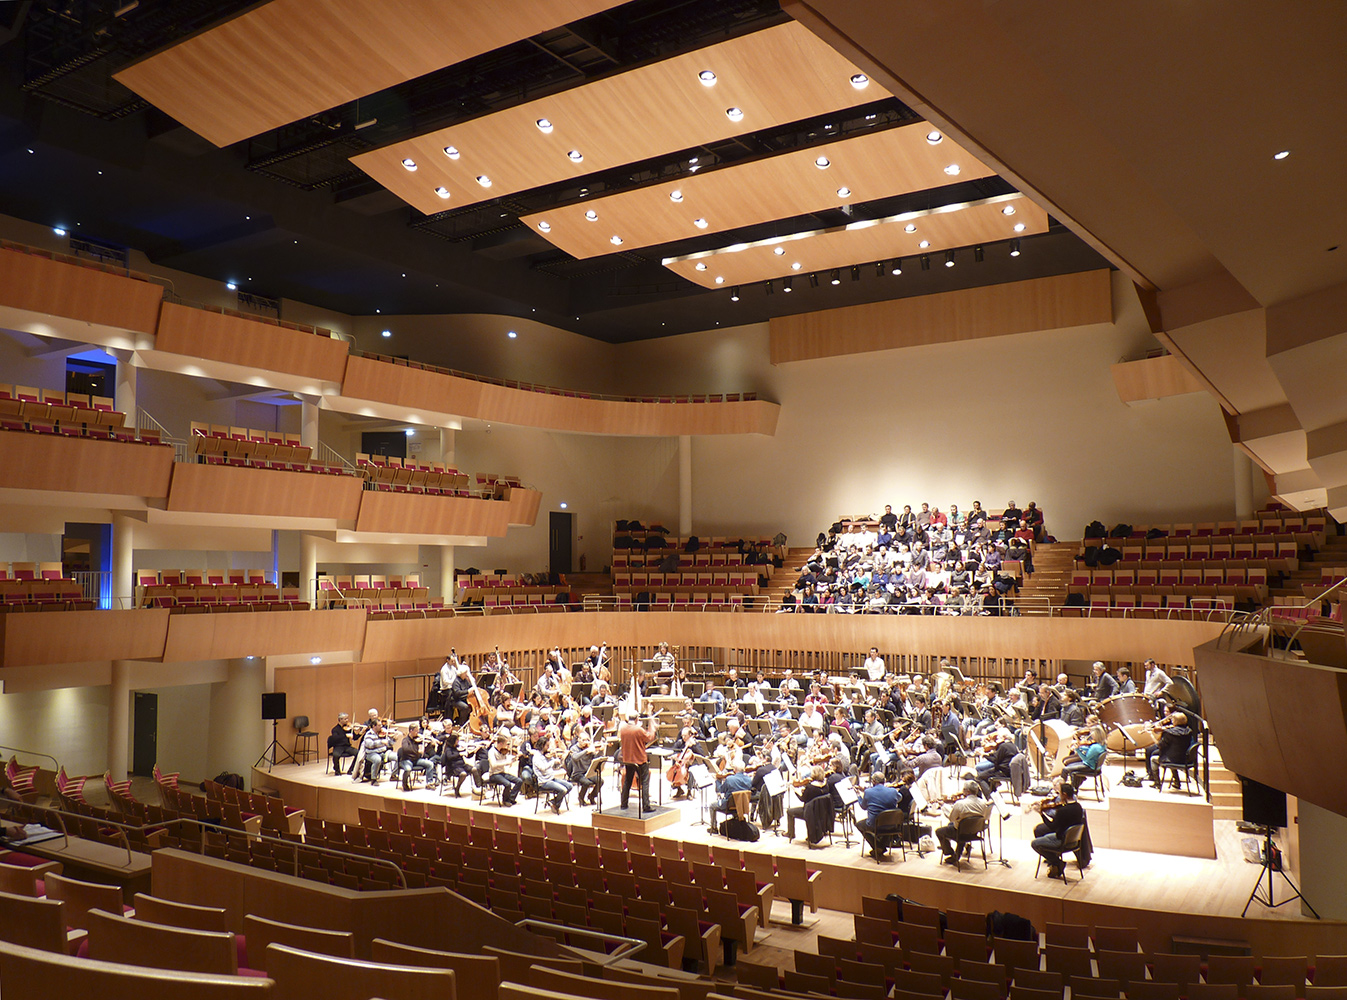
{"points": [[308, 568], [308, 428], [125, 397], [685, 485], [123, 572], [237, 734], [447, 574], [1322, 865], [447, 445], [119, 719], [1243, 471]]}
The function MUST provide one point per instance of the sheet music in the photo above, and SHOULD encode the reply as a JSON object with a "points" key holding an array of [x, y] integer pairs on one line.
{"points": [[846, 791], [1002, 807], [774, 782], [700, 776]]}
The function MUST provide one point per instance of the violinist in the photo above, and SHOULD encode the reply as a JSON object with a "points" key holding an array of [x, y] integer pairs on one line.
{"points": [[452, 766], [1058, 817], [376, 750], [1087, 755], [1176, 737], [456, 708], [738, 780], [817, 817], [1001, 750], [501, 759], [577, 769], [770, 807], [929, 756], [339, 743], [971, 804], [549, 769], [411, 757]]}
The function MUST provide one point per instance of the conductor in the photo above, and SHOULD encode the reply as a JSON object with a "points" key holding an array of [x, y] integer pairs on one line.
{"points": [[635, 762]]}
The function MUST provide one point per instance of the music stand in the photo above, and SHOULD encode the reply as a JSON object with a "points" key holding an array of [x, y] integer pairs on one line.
{"points": [[846, 791], [701, 778], [1002, 811], [596, 771]]}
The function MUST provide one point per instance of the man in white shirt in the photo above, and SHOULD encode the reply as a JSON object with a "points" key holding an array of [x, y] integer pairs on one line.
{"points": [[875, 668], [1156, 680]]}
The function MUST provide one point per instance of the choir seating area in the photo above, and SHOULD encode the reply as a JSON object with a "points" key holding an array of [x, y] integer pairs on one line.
{"points": [[505, 592], [52, 411], [717, 571], [377, 592]]}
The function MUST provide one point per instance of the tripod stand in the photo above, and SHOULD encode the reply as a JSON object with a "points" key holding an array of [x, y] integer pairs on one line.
{"points": [[1269, 867], [999, 804], [272, 754]]}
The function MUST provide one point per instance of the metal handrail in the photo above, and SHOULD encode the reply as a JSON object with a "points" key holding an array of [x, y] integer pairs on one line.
{"points": [[319, 331], [632, 945], [331, 456], [33, 753], [65, 258]]}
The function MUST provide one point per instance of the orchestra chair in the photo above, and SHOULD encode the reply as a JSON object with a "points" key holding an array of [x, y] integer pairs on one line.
{"points": [[30, 972], [1070, 843], [891, 823], [306, 741], [1188, 769], [971, 829]]}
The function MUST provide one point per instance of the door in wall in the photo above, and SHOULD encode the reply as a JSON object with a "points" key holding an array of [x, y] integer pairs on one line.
{"points": [[145, 741], [561, 524]]}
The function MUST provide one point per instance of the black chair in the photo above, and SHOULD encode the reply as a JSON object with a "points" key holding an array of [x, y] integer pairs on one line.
{"points": [[1070, 843], [306, 742], [1188, 769], [971, 828], [889, 825], [1097, 773]]}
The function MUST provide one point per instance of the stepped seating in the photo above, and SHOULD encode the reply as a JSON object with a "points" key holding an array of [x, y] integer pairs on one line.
{"points": [[409, 475], [48, 594], [51, 411], [377, 592], [218, 444], [195, 590], [31, 571]]}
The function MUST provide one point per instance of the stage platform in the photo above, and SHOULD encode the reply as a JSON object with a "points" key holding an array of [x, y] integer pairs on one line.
{"points": [[1195, 896], [631, 820]]}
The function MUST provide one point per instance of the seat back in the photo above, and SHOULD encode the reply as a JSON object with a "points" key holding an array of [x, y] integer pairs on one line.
{"points": [[183, 915], [28, 972], [81, 897], [135, 942], [476, 977], [32, 923], [261, 933], [301, 974]]}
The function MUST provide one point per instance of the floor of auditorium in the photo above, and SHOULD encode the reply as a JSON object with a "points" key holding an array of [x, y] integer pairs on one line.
{"points": [[1128, 878]]}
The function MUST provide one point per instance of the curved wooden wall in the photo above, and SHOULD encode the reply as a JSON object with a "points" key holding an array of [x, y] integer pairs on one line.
{"points": [[84, 465], [197, 333], [418, 514], [524, 504], [230, 489], [39, 284], [82, 636], [222, 635]]}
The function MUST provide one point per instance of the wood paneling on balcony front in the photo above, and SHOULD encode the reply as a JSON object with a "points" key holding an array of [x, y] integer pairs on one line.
{"points": [[83, 465], [424, 514], [228, 489], [39, 638], [199, 333], [30, 281]]}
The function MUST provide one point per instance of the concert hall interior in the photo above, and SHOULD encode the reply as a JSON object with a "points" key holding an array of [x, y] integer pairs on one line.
{"points": [[768, 497]]}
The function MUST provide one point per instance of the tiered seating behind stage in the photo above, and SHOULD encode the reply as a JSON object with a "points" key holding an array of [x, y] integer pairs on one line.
{"points": [[377, 592], [491, 590], [218, 444], [51, 411], [716, 573], [214, 590], [1197, 567]]}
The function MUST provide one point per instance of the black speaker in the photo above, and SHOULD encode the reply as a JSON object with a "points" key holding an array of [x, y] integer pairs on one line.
{"points": [[1263, 805], [273, 705]]}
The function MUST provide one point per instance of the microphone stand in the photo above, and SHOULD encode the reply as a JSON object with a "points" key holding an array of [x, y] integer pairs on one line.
{"points": [[999, 805]]}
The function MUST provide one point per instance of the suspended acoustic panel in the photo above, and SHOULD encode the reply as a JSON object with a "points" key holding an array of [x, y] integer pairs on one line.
{"points": [[289, 59], [774, 76]]}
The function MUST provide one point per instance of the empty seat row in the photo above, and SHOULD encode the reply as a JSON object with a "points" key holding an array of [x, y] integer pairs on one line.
{"points": [[201, 577], [377, 598], [687, 578], [266, 596], [218, 444], [410, 475]]}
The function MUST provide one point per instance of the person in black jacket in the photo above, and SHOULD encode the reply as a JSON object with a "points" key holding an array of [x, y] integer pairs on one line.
{"points": [[1051, 833], [340, 743], [456, 702]]}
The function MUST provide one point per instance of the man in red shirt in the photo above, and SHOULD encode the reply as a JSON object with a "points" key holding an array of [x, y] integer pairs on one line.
{"points": [[635, 762]]}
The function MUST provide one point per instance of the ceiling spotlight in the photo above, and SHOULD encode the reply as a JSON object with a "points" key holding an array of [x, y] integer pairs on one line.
{"points": [[707, 78], [823, 163], [897, 266], [720, 280], [911, 227], [675, 196], [232, 286], [700, 223], [562, 505], [860, 81], [977, 253], [409, 163], [315, 660], [443, 192], [592, 215], [813, 280], [952, 170], [1282, 155], [855, 272], [949, 258], [787, 284], [734, 114], [513, 335], [879, 269], [925, 262], [1008, 210], [692, 162], [576, 156], [1014, 248], [544, 126], [769, 288], [386, 334], [795, 266], [734, 294], [844, 192], [451, 152], [836, 277], [924, 244], [58, 231], [779, 251], [1019, 227], [410, 432], [545, 227], [615, 240], [701, 265], [484, 180], [934, 137]]}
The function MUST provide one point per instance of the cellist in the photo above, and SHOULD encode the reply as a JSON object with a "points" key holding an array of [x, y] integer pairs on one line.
{"points": [[456, 706], [684, 753]]}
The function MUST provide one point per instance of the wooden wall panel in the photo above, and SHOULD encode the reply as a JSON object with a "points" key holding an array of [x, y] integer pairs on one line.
{"points": [[428, 394], [82, 636], [1058, 302], [83, 465], [197, 333], [223, 635], [1153, 378], [524, 506], [423, 514], [228, 489], [28, 281]]}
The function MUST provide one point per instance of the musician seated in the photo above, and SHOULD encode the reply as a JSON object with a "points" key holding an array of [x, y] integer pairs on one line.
{"points": [[339, 743], [456, 704], [738, 780], [1088, 755], [929, 756], [548, 685], [1050, 705], [879, 798], [1073, 712], [1057, 819], [770, 807], [411, 759], [578, 762], [971, 804], [812, 722], [1171, 748], [452, 766], [500, 760], [815, 809], [548, 771], [1125, 683], [996, 767], [717, 700], [376, 750]]}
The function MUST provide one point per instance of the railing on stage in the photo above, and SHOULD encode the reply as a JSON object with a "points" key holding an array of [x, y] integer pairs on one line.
{"points": [[410, 689]]}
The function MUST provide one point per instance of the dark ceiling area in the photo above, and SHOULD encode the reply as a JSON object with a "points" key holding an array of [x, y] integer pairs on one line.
{"points": [[286, 215]]}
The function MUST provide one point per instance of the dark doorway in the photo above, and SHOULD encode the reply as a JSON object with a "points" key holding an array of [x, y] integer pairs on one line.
{"points": [[389, 444], [560, 525], [145, 741], [90, 378]]}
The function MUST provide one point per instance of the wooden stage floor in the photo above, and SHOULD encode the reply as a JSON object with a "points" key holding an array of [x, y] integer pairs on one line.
{"points": [[1212, 891]]}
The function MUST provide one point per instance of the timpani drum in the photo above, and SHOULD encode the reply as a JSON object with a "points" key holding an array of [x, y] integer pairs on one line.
{"points": [[1054, 735]]}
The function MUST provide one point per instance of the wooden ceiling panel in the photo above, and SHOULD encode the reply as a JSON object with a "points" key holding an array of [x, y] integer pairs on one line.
{"points": [[288, 59], [860, 169], [946, 228], [774, 76]]}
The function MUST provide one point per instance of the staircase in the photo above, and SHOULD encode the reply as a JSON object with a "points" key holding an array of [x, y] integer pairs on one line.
{"points": [[1334, 553], [783, 579], [1227, 800], [1047, 585]]}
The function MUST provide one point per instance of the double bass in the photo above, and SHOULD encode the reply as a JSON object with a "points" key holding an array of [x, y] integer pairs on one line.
{"points": [[481, 716]]}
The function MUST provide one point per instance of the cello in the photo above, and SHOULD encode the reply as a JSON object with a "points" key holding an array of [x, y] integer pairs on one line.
{"points": [[481, 716]]}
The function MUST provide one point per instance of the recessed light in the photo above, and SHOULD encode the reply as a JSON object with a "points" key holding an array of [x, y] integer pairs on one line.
{"points": [[1282, 155], [1019, 227], [385, 334], [949, 258], [952, 170], [779, 251], [315, 660], [512, 335], [701, 265], [576, 156], [615, 240], [823, 163], [451, 152], [813, 280], [860, 81], [484, 180], [409, 163], [836, 278], [700, 223], [788, 285], [844, 192], [934, 138], [897, 266], [692, 161], [1014, 248], [675, 196], [443, 192], [1008, 210], [720, 280], [911, 227], [734, 114], [592, 215], [58, 231], [232, 286], [562, 505], [545, 227], [410, 432], [795, 266], [544, 126], [924, 244], [734, 294], [707, 78]]}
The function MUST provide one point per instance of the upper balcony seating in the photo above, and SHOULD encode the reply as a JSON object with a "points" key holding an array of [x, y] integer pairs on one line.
{"points": [[46, 593], [50, 411], [200, 591], [32, 571], [408, 475], [217, 444]]}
